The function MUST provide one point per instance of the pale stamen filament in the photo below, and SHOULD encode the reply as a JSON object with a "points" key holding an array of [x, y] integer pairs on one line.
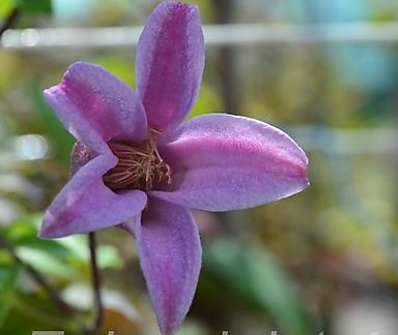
{"points": [[139, 166]]}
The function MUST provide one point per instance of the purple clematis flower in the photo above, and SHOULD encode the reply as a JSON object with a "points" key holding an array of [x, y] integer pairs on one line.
{"points": [[138, 165]]}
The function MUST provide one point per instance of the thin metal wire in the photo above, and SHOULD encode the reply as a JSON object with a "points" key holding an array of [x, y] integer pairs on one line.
{"points": [[347, 142], [215, 35]]}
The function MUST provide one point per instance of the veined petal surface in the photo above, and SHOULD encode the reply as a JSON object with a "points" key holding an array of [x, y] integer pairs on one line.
{"points": [[170, 62], [221, 162], [96, 107], [170, 254], [85, 204]]}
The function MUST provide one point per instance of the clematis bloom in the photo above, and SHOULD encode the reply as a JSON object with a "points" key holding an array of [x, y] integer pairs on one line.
{"points": [[138, 165]]}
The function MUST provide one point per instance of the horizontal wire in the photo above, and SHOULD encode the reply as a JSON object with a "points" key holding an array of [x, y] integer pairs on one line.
{"points": [[215, 35], [350, 142]]}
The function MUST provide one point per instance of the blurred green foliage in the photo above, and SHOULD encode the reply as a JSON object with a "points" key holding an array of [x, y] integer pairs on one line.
{"points": [[32, 7], [5, 7], [251, 275], [64, 261]]}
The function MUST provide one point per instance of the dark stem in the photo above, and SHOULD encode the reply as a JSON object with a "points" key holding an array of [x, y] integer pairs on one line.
{"points": [[227, 62], [10, 20], [96, 282], [38, 278]]}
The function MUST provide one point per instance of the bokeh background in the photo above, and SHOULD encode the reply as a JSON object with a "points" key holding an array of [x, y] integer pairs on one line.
{"points": [[324, 260]]}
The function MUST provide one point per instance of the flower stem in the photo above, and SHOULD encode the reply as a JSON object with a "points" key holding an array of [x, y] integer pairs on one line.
{"points": [[96, 282], [10, 20]]}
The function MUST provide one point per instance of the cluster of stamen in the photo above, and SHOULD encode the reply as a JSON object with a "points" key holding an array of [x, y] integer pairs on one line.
{"points": [[140, 166]]}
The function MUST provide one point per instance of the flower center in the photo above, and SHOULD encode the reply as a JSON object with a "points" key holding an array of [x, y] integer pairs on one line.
{"points": [[140, 166]]}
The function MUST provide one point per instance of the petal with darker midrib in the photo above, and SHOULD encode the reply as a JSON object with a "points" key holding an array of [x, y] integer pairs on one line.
{"points": [[96, 107], [170, 62], [221, 162], [85, 204], [170, 254]]}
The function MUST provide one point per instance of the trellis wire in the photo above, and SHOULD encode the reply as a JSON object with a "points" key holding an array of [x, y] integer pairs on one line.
{"points": [[215, 35]]}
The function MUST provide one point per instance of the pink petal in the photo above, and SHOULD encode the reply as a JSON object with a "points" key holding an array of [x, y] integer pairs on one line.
{"points": [[221, 162], [85, 204], [170, 62], [95, 106], [170, 252]]}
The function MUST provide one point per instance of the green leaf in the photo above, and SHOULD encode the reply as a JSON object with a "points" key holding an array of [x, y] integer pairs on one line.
{"points": [[6, 7], [23, 233], [35, 6], [5, 258], [65, 258], [37, 312], [108, 256], [252, 275], [8, 278], [24, 226], [5, 310], [45, 262]]}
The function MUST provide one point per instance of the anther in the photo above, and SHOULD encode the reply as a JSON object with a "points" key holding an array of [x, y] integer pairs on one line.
{"points": [[139, 167]]}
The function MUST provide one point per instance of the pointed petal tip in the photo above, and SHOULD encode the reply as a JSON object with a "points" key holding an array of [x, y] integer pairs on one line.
{"points": [[303, 182], [96, 106], [85, 204], [46, 92], [48, 228], [49, 92], [172, 331], [177, 4], [191, 11], [306, 168], [46, 234], [43, 233], [306, 183], [222, 162], [170, 254]]}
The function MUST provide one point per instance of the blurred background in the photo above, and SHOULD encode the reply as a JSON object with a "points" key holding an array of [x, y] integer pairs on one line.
{"points": [[324, 260]]}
